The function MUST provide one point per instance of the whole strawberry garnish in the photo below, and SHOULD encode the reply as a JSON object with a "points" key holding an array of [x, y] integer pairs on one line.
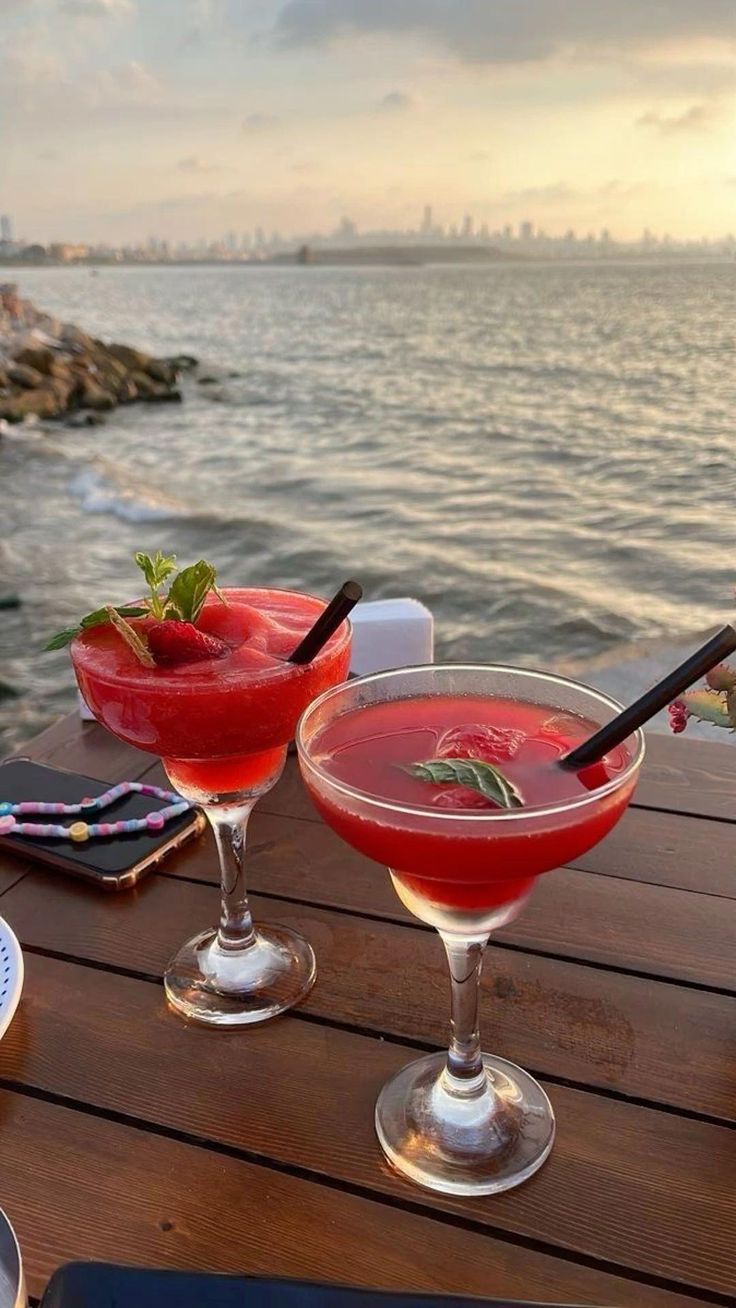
{"points": [[173, 642]]}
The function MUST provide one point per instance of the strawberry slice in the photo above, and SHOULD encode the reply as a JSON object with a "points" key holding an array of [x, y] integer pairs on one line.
{"points": [[181, 642]]}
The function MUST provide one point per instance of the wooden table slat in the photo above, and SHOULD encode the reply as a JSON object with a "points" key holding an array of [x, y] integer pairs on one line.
{"points": [[146, 1200], [599, 919], [598, 1028], [622, 1169], [636, 1205]]}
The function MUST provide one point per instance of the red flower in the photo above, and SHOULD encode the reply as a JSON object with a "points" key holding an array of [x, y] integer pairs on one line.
{"points": [[679, 714]]}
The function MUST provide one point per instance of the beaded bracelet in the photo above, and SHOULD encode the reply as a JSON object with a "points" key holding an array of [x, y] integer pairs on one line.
{"points": [[81, 831]]}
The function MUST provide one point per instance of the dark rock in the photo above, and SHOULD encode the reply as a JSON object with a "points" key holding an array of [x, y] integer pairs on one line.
{"points": [[21, 374], [43, 402], [234, 374], [134, 360], [127, 391], [38, 357], [76, 340], [85, 420], [151, 390], [162, 371], [208, 381], [7, 691], [183, 362], [94, 396], [10, 601]]}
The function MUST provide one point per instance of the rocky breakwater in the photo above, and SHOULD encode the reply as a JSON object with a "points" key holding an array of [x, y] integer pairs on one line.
{"points": [[51, 369]]}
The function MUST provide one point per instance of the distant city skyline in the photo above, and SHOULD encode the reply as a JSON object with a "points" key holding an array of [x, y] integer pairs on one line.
{"points": [[525, 237], [122, 118]]}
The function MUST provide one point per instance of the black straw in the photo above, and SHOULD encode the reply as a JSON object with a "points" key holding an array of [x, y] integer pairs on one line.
{"points": [[616, 731], [328, 621]]}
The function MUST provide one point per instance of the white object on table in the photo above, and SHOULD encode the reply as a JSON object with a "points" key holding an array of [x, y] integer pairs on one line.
{"points": [[390, 633], [85, 712], [11, 975]]}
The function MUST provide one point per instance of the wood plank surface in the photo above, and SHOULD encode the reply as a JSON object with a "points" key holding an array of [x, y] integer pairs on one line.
{"points": [[680, 774], [684, 775], [560, 1019], [77, 1186], [116, 1104], [601, 919], [625, 1184], [87, 748]]}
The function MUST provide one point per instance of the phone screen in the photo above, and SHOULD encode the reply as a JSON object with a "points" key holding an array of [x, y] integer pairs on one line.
{"points": [[22, 780]]}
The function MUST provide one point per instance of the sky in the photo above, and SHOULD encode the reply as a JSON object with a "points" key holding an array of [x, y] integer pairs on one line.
{"points": [[188, 118]]}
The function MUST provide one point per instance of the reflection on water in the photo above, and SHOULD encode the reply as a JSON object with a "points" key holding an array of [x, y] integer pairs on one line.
{"points": [[543, 454]]}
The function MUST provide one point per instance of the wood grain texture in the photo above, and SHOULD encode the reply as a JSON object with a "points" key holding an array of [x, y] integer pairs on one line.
{"points": [[645, 1192], [625, 1184], [88, 748], [79, 1187], [619, 922], [683, 775], [668, 850], [561, 1019], [680, 775]]}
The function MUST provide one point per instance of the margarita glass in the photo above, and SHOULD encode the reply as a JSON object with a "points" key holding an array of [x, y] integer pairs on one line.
{"points": [[464, 1122], [222, 726]]}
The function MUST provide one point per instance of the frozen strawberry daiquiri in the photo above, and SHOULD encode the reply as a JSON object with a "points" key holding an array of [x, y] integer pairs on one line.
{"points": [[202, 678], [451, 777]]}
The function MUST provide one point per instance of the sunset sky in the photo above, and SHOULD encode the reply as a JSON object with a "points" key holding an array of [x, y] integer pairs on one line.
{"points": [[186, 118]]}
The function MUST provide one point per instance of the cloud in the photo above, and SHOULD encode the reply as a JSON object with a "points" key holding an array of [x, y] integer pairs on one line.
{"points": [[97, 8], [698, 118], [487, 31], [562, 193], [554, 193], [261, 123], [126, 85], [395, 102], [193, 164]]}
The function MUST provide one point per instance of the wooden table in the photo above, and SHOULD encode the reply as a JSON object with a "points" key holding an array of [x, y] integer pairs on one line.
{"points": [[127, 1135]]}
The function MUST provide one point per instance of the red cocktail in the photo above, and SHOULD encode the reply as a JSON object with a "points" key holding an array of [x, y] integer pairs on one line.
{"points": [[221, 725], [408, 767]]}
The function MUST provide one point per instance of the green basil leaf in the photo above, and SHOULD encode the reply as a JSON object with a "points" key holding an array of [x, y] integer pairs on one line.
{"points": [[472, 772]]}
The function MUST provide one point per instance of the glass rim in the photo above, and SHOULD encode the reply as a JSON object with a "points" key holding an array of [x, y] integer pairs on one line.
{"points": [[468, 815], [252, 676]]}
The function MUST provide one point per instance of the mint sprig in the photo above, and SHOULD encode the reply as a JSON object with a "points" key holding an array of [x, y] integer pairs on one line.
{"points": [[183, 601], [189, 591], [472, 772], [156, 570]]}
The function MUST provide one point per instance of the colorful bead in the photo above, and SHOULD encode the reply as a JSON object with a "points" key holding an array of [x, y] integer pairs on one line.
{"points": [[79, 831], [155, 821], [7, 822], [5, 807]]}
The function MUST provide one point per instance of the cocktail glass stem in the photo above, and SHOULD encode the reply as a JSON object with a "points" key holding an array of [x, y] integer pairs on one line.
{"points": [[464, 1060], [465, 1122], [230, 826], [238, 972]]}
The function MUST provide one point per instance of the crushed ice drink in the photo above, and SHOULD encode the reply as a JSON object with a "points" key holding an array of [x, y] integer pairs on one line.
{"points": [[459, 871], [221, 725]]}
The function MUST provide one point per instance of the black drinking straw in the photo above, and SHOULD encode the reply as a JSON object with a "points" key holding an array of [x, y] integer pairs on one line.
{"points": [[328, 621], [617, 730]]}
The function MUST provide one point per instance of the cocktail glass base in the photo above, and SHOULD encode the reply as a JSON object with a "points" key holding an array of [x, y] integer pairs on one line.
{"points": [[476, 1138], [220, 986]]}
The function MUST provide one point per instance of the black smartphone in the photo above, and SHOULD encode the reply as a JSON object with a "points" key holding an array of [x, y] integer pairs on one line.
{"points": [[112, 864]]}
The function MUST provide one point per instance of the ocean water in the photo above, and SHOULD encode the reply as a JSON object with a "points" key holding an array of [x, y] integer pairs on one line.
{"points": [[544, 454]]}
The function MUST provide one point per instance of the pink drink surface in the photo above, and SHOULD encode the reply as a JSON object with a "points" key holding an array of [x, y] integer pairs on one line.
{"points": [[451, 846], [220, 724]]}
